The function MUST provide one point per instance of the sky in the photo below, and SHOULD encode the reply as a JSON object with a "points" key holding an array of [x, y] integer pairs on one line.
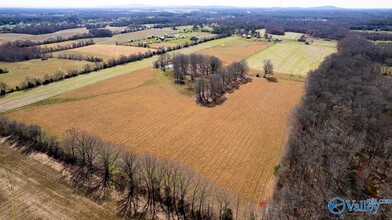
{"points": [[248, 3]]}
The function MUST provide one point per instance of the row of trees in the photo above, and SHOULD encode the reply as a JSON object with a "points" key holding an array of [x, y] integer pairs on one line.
{"points": [[340, 142], [43, 28], [147, 186], [212, 79], [80, 57], [46, 49], [27, 50], [59, 75]]}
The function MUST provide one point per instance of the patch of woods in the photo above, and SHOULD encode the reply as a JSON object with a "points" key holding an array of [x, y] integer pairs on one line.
{"points": [[26, 50], [207, 74], [341, 137], [43, 28], [144, 185]]}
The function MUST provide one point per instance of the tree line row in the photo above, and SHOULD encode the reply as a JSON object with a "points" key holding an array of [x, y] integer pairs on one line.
{"points": [[145, 184], [26, 50]]}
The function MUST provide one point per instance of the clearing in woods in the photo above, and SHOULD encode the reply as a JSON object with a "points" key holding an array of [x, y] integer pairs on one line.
{"points": [[236, 49], [237, 144], [18, 71], [105, 51], [37, 193], [293, 58]]}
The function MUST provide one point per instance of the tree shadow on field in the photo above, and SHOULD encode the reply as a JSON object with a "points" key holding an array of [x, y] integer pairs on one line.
{"points": [[272, 79]]}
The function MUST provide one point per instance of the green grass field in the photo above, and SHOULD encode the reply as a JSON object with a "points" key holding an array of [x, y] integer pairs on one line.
{"points": [[23, 98], [36, 68], [293, 58]]}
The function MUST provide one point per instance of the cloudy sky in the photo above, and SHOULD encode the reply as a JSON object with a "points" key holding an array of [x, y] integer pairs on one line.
{"points": [[249, 3]]}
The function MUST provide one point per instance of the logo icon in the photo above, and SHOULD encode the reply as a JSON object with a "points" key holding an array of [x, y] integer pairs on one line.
{"points": [[337, 205]]}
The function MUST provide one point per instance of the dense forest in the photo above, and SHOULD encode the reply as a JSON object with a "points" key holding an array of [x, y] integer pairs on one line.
{"points": [[341, 137]]}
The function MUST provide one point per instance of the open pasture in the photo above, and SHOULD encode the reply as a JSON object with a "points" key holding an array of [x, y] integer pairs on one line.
{"points": [[236, 49], [105, 51], [63, 33], [236, 144], [18, 71], [293, 58]]}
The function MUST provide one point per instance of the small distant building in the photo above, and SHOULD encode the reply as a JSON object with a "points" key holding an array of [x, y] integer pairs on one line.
{"points": [[193, 38], [162, 38]]}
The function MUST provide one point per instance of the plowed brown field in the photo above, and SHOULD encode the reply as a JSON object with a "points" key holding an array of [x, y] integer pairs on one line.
{"points": [[236, 144]]}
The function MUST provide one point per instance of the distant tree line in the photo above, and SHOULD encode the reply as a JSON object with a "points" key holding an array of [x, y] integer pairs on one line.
{"points": [[145, 184], [212, 79], [26, 50], [340, 142], [45, 49], [376, 36], [79, 57], [42, 28]]}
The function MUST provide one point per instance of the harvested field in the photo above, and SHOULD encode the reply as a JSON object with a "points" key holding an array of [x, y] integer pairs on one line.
{"points": [[236, 50], [36, 68], [236, 144], [37, 193], [105, 51], [63, 33], [138, 35], [293, 58]]}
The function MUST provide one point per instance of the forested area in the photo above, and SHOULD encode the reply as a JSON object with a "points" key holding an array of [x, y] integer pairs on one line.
{"points": [[212, 79], [146, 185], [341, 137]]}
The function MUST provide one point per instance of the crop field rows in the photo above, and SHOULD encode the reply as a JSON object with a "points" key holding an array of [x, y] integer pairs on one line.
{"points": [[236, 144]]}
